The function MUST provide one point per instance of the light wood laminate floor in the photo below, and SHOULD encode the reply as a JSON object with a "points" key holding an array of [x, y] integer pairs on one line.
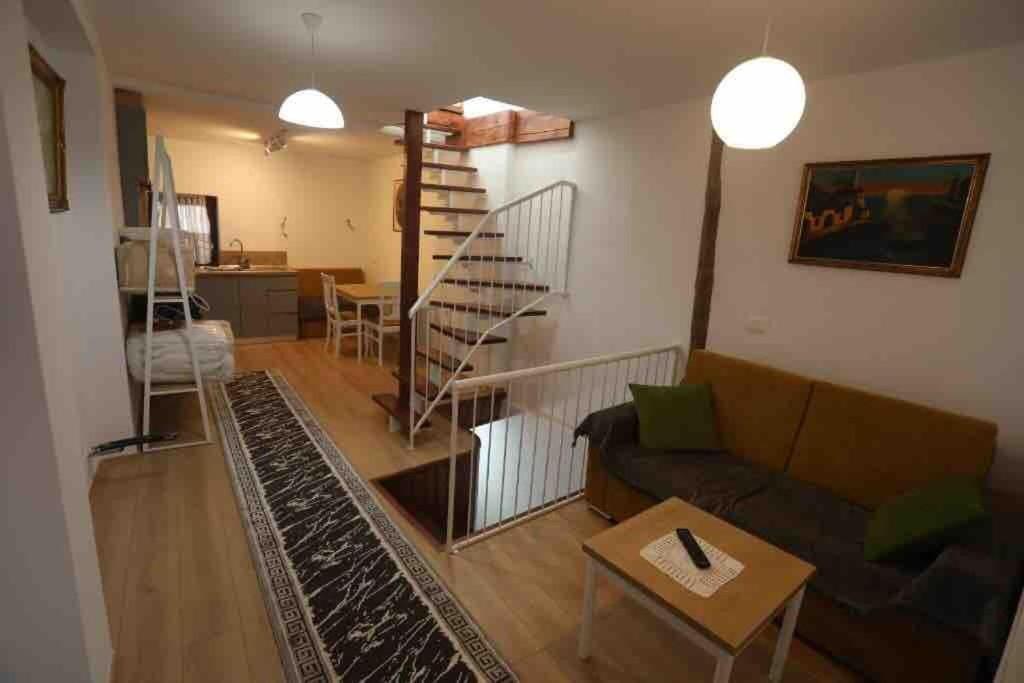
{"points": [[185, 605]]}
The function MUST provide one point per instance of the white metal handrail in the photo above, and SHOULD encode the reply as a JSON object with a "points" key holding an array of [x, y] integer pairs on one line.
{"points": [[465, 246], [524, 460], [516, 259], [511, 375]]}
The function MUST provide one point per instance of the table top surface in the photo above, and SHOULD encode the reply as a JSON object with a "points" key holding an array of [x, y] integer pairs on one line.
{"points": [[377, 290], [738, 611]]}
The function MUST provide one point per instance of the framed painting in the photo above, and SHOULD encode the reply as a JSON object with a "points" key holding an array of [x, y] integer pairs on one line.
{"points": [[901, 215], [49, 94]]}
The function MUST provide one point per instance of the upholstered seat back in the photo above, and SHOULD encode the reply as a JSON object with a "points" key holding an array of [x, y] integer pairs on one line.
{"points": [[758, 409], [869, 448], [863, 447]]}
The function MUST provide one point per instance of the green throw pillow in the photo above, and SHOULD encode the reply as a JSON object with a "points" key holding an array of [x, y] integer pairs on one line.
{"points": [[676, 418], [923, 520]]}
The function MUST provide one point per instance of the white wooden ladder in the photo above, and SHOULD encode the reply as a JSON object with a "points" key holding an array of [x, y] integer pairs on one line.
{"points": [[164, 215]]}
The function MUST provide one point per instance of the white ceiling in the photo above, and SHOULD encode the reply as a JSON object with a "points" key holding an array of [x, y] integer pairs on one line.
{"points": [[579, 58]]}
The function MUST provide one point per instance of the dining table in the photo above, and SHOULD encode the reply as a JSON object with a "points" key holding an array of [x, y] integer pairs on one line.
{"points": [[364, 294]]}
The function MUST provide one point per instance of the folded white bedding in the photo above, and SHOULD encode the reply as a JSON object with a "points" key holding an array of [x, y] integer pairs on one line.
{"points": [[213, 342]]}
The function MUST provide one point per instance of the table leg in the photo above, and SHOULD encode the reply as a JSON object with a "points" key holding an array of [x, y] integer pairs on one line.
{"points": [[359, 338], [785, 636], [587, 620], [723, 668]]}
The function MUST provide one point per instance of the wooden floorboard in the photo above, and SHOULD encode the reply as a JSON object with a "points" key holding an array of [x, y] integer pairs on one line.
{"points": [[185, 603]]}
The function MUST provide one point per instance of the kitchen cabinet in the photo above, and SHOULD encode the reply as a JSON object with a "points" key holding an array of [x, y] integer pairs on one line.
{"points": [[259, 306], [222, 295]]}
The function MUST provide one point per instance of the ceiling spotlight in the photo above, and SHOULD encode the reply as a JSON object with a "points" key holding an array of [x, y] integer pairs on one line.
{"points": [[276, 142]]}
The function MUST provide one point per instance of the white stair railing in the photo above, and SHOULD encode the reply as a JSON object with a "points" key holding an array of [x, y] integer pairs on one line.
{"points": [[523, 461], [515, 259]]}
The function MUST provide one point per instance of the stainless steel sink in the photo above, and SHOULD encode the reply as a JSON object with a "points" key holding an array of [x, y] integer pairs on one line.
{"points": [[234, 268]]}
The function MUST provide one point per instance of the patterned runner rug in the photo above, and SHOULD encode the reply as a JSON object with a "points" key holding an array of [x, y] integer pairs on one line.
{"points": [[349, 597]]}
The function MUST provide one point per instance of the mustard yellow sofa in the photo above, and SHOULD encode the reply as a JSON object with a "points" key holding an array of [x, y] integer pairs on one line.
{"points": [[835, 443]]}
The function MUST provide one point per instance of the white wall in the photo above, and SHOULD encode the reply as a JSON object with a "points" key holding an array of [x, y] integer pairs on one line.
{"points": [[86, 236], [54, 624], [385, 245], [317, 192], [384, 256], [952, 343], [640, 181]]}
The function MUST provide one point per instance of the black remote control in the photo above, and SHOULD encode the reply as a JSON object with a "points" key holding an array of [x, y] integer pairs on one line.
{"points": [[693, 548]]}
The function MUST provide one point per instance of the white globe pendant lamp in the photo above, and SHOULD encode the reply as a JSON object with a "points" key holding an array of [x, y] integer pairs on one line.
{"points": [[310, 107], [759, 103]]}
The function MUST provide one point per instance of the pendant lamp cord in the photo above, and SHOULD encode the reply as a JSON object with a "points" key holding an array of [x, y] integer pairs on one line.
{"points": [[312, 50], [767, 32]]}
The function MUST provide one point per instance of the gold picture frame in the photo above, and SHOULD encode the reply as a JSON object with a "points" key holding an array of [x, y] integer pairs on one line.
{"points": [[909, 215], [49, 95]]}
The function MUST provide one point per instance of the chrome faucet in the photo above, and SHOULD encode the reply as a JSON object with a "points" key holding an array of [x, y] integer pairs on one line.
{"points": [[243, 263]]}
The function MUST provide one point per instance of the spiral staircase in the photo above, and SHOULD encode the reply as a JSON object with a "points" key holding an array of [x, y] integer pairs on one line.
{"points": [[498, 268]]}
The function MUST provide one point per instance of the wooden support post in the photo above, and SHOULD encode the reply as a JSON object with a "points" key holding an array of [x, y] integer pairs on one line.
{"points": [[704, 284], [410, 269]]}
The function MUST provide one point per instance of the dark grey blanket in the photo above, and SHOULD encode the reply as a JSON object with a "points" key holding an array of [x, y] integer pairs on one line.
{"points": [[971, 587]]}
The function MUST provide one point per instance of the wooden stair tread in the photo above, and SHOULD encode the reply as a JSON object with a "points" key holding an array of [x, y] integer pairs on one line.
{"points": [[419, 382], [449, 167], [498, 284], [464, 233], [479, 309], [453, 209], [437, 145], [484, 258], [441, 187], [433, 389], [467, 336], [389, 402], [439, 128], [443, 360], [421, 375]]}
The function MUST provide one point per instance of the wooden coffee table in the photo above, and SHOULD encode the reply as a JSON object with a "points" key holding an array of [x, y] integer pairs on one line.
{"points": [[725, 623]]}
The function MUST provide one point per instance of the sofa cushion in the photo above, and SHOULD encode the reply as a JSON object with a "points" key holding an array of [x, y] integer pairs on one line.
{"points": [[826, 531], [923, 520], [675, 417], [869, 448], [713, 481], [757, 409]]}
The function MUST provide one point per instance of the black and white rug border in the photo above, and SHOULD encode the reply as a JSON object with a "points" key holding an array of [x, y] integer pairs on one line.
{"points": [[304, 648]]}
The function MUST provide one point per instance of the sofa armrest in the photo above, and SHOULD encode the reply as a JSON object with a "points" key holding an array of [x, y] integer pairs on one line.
{"points": [[969, 591], [609, 427]]}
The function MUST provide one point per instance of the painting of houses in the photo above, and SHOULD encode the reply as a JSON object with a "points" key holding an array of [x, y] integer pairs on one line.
{"points": [[904, 215]]}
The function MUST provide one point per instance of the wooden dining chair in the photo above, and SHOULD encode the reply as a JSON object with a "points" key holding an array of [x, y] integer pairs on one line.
{"points": [[339, 323], [384, 321]]}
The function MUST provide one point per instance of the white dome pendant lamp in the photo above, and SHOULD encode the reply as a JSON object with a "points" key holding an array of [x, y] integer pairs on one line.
{"points": [[310, 107], [759, 103]]}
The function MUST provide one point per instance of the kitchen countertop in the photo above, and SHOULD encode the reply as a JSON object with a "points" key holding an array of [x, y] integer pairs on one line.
{"points": [[252, 272]]}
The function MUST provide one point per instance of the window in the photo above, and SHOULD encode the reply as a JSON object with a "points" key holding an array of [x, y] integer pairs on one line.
{"points": [[197, 214]]}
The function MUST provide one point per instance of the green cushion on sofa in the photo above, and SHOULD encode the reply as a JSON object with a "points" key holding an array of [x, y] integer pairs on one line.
{"points": [[923, 520], [676, 418]]}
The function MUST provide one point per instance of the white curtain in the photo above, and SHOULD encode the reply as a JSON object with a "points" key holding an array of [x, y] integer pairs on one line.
{"points": [[194, 219]]}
